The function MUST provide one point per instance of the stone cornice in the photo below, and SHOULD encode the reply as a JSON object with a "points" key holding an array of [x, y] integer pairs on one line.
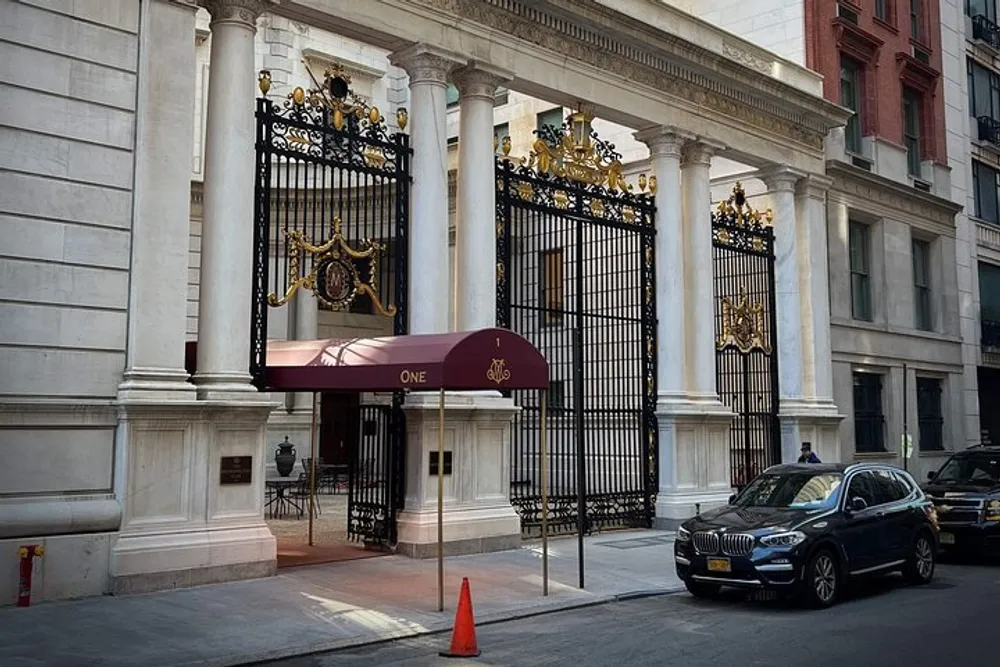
{"points": [[355, 69], [855, 182], [586, 31]]}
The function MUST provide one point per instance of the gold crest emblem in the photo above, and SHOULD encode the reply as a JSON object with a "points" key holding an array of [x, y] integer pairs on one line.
{"points": [[498, 371]]}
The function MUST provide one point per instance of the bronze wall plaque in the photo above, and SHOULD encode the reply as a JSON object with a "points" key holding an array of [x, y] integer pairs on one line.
{"points": [[236, 470]]}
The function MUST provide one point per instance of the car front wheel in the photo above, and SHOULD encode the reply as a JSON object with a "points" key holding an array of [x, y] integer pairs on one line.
{"points": [[919, 568], [702, 590], [822, 580]]}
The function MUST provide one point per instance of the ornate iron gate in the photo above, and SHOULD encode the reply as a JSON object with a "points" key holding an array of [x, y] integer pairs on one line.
{"points": [[331, 207], [575, 276], [746, 330]]}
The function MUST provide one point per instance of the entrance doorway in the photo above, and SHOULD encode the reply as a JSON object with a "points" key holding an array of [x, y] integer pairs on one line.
{"points": [[339, 427]]}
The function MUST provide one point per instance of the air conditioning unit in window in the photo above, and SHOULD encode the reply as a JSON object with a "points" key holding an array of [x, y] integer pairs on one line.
{"points": [[920, 54]]}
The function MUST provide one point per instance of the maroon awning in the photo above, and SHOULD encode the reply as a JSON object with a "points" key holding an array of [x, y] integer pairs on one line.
{"points": [[464, 360]]}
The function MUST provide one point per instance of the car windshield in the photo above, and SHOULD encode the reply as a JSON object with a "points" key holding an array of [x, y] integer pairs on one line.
{"points": [[974, 469], [798, 490]]}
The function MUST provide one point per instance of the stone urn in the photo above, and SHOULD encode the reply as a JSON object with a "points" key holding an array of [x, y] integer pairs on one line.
{"points": [[284, 458]]}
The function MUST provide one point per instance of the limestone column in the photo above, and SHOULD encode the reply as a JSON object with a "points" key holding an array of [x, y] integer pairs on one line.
{"points": [[665, 151], [781, 181], [227, 233], [161, 220], [810, 205], [428, 69], [475, 233], [698, 272]]}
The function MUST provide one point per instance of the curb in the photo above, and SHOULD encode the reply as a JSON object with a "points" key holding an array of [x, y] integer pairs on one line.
{"points": [[264, 658]]}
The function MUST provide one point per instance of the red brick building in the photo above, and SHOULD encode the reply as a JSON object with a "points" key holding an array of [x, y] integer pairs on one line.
{"points": [[882, 58]]}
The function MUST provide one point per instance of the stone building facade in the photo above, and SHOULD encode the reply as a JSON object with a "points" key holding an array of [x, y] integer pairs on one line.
{"points": [[128, 173]]}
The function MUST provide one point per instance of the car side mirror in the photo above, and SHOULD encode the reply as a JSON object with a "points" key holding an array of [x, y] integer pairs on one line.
{"points": [[931, 475], [732, 498], [858, 504]]}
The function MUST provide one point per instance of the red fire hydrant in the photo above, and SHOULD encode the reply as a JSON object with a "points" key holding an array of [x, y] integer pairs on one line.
{"points": [[26, 554]]}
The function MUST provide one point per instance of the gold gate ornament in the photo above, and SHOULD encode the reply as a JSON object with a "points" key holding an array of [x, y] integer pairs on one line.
{"points": [[743, 325], [333, 276]]}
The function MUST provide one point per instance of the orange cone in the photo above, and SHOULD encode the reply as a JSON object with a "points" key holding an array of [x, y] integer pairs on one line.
{"points": [[463, 636]]}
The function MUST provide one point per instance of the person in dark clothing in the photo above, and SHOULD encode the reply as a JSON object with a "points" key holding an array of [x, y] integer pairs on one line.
{"points": [[808, 455]]}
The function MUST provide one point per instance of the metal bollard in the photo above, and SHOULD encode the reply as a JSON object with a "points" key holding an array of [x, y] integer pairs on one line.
{"points": [[27, 555]]}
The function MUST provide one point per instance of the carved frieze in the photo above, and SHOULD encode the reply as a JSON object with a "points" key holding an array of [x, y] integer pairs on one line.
{"points": [[608, 53]]}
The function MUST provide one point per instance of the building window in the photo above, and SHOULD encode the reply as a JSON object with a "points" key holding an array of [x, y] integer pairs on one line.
{"points": [[499, 133], [552, 117], [550, 286], [911, 130], [922, 285], [984, 91], [451, 95], [929, 416], [850, 97], [869, 422], [985, 8], [861, 286], [985, 182], [882, 10], [989, 305], [557, 394], [916, 25]]}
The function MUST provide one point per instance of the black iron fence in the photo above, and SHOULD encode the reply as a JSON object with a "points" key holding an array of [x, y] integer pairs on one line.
{"points": [[575, 277], [746, 330], [331, 217]]}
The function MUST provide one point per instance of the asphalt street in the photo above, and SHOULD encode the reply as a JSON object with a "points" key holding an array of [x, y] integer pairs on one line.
{"points": [[883, 623]]}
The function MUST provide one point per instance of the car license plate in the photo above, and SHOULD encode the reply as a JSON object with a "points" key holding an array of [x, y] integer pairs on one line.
{"points": [[946, 538], [719, 565]]}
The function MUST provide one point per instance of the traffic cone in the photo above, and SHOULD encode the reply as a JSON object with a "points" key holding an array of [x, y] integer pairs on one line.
{"points": [[463, 636]]}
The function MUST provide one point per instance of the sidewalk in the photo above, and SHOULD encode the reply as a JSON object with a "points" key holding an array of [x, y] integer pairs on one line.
{"points": [[324, 607]]}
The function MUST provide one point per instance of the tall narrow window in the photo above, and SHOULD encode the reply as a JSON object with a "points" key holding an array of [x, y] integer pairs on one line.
{"points": [[985, 182], [869, 422], [985, 8], [911, 130], [551, 117], [850, 97], [499, 133], [916, 26], [550, 286], [929, 414], [922, 285], [451, 95], [882, 10], [861, 287]]}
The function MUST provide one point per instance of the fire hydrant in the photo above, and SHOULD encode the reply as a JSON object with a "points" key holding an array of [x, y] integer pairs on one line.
{"points": [[27, 554]]}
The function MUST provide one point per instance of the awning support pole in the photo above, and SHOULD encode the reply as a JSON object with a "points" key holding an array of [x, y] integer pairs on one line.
{"points": [[440, 517], [312, 473], [545, 496]]}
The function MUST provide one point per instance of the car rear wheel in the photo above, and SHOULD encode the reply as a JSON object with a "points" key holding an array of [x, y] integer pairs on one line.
{"points": [[822, 580], [702, 590], [919, 568]]}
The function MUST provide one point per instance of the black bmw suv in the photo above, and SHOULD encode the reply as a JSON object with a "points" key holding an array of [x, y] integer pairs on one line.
{"points": [[804, 530], [966, 494]]}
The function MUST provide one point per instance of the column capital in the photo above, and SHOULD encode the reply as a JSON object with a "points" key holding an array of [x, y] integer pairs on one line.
{"points": [[781, 178], [700, 151], [426, 64], [244, 12], [663, 140], [479, 80], [813, 186]]}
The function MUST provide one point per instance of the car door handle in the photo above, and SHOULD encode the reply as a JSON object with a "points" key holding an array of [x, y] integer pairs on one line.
{"points": [[880, 515]]}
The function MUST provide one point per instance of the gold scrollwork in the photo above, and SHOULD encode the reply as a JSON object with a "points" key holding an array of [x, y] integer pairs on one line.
{"points": [[739, 212], [333, 276], [561, 199], [498, 371], [743, 325], [576, 157], [525, 191]]}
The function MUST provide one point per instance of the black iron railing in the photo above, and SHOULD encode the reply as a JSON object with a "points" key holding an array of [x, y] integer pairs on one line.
{"points": [[990, 336], [989, 130], [986, 30]]}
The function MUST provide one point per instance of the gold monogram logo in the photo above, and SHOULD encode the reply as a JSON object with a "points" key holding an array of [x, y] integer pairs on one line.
{"points": [[498, 371]]}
